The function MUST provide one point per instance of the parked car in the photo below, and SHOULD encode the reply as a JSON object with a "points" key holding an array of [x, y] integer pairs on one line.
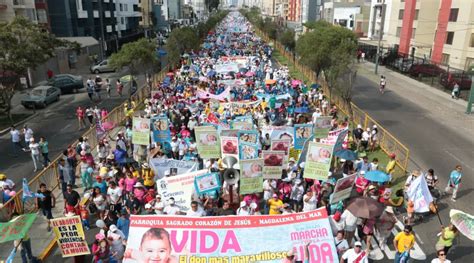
{"points": [[102, 66], [425, 70], [464, 80], [402, 64], [41, 96], [67, 83]]}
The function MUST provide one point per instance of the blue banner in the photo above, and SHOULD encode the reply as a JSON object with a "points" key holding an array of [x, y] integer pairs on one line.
{"points": [[161, 129], [248, 151], [207, 183], [302, 132]]}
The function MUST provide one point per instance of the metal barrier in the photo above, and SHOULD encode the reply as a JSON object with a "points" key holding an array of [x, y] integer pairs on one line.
{"points": [[50, 175], [388, 143]]}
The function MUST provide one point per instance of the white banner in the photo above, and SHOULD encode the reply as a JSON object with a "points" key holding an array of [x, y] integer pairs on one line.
{"points": [[419, 193], [174, 167]]}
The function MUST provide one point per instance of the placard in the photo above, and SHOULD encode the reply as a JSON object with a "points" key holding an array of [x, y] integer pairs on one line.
{"points": [[251, 176], [141, 131], [207, 142], [70, 236], [273, 164], [318, 161]]}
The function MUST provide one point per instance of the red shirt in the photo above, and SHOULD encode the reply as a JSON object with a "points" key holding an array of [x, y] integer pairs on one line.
{"points": [[80, 113]]}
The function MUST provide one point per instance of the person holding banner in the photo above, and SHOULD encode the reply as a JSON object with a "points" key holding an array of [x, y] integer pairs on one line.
{"points": [[445, 241]]}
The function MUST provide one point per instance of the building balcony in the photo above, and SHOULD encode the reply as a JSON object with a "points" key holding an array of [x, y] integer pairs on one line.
{"points": [[19, 4], [3, 4]]}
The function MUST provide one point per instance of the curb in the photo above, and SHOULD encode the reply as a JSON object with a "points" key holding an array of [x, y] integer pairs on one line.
{"points": [[6, 130], [47, 251]]}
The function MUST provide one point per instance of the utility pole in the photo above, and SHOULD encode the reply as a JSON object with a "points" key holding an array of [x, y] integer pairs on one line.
{"points": [[380, 36], [102, 34], [470, 99]]}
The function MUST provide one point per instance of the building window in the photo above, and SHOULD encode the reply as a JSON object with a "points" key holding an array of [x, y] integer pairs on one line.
{"points": [[125, 7], [121, 7], [469, 63], [449, 38], [400, 13], [472, 40], [42, 16], [399, 29], [453, 15], [417, 11], [122, 20], [445, 59], [413, 33]]}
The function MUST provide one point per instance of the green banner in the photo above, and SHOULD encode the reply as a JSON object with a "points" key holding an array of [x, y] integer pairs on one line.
{"points": [[16, 228], [318, 161]]}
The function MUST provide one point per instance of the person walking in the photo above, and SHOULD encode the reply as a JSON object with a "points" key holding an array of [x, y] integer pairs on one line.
{"points": [[43, 143], [80, 114], [97, 86], [454, 182], [119, 87], [34, 148], [355, 255], [108, 86], [90, 88], [46, 203], [445, 241], [16, 141], [383, 82], [455, 92], [404, 242], [28, 133], [90, 115]]}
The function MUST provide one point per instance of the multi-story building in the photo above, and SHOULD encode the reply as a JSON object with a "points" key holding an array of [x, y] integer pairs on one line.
{"points": [[440, 31], [379, 12], [11, 8], [352, 14]]}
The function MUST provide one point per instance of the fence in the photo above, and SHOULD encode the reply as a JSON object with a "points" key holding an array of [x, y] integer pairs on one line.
{"points": [[421, 69], [388, 143], [50, 175]]}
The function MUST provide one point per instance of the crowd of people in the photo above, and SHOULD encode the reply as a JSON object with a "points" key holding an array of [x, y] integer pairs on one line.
{"points": [[118, 180]]}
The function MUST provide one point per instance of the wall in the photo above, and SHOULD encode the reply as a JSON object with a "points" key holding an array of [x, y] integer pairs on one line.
{"points": [[344, 13], [426, 26]]}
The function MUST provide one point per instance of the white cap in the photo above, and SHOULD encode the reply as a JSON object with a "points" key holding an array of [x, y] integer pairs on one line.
{"points": [[359, 126], [243, 204], [357, 244], [113, 228]]}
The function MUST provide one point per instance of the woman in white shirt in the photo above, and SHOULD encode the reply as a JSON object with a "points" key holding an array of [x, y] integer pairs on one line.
{"points": [[310, 201], [35, 152]]}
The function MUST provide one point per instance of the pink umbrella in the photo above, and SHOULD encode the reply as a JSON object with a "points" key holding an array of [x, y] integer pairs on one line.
{"points": [[108, 125], [295, 82], [249, 74]]}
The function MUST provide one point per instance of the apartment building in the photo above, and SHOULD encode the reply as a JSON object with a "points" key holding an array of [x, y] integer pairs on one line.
{"points": [[11, 8], [352, 14], [440, 31]]}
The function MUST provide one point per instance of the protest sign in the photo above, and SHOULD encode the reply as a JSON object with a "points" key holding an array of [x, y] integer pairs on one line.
{"points": [[294, 154], [141, 131], [273, 164], [180, 187], [230, 147], [318, 161], [343, 188], [248, 136], [207, 142], [233, 239], [419, 193], [161, 166], [322, 127], [229, 133], [463, 222], [241, 125], [207, 95], [70, 236], [160, 127], [282, 145], [248, 151], [251, 176], [17, 228], [339, 144], [302, 132], [207, 183], [332, 136], [279, 132]]}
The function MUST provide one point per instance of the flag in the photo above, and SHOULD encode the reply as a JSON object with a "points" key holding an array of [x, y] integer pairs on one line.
{"points": [[12, 255], [27, 193], [420, 195], [211, 118]]}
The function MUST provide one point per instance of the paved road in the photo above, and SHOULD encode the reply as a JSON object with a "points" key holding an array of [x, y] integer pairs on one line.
{"points": [[58, 124], [434, 141]]}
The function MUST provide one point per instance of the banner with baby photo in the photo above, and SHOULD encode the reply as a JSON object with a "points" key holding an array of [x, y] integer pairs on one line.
{"points": [[160, 127], [241, 125], [302, 132], [249, 136], [248, 151], [282, 145], [231, 238], [207, 183], [343, 188], [251, 176], [141, 131], [180, 187], [230, 147], [229, 133], [273, 164], [318, 161], [279, 132], [322, 126], [207, 142]]}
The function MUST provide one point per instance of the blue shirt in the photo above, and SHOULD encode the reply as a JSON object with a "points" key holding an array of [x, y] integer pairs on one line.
{"points": [[455, 177], [102, 186], [123, 224]]}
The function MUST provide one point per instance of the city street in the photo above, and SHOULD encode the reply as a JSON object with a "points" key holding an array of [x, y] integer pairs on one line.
{"points": [[58, 124], [439, 136]]}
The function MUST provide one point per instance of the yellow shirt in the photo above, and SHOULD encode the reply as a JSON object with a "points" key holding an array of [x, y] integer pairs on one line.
{"points": [[263, 104], [390, 166], [404, 240], [136, 174], [275, 206], [148, 177]]}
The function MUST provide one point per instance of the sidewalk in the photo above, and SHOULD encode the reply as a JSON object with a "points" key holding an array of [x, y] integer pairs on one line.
{"points": [[42, 241], [439, 104]]}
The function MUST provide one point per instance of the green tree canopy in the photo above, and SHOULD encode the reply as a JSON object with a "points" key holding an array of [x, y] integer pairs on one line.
{"points": [[23, 45], [181, 40], [135, 55], [287, 38]]}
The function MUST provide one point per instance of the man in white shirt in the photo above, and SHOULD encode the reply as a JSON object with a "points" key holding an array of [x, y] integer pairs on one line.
{"points": [[350, 224], [28, 133], [196, 210], [171, 208], [35, 152], [310, 201], [341, 243], [243, 209], [114, 195], [364, 142], [355, 254], [16, 141]]}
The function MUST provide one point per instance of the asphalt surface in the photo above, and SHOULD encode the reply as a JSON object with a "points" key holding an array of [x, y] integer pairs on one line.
{"points": [[433, 143], [58, 124]]}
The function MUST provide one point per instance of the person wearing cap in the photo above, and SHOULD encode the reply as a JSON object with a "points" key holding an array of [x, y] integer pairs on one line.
{"points": [[116, 238], [355, 255], [139, 192], [148, 176], [364, 141], [373, 138], [403, 243], [100, 248], [357, 133], [196, 210], [101, 184], [5, 181], [275, 204], [390, 168]]}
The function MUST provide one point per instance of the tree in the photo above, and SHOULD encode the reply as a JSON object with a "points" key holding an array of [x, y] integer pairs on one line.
{"points": [[317, 46], [23, 45], [212, 4], [135, 55], [181, 40], [287, 38], [270, 27]]}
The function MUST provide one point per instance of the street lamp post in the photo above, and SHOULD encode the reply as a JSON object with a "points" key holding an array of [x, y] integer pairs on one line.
{"points": [[380, 37], [470, 99]]}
